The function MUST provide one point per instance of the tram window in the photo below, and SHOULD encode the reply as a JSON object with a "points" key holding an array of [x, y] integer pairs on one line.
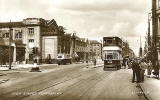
{"points": [[109, 41], [109, 56], [115, 56]]}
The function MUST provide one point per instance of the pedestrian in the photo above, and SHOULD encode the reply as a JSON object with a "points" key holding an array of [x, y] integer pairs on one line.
{"points": [[156, 72], [143, 66], [129, 64], [124, 63], [87, 62], [149, 68], [95, 62], [136, 71]]}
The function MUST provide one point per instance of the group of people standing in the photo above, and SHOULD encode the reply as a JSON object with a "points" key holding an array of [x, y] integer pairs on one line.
{"points": [[139, 67], [126, 63]]}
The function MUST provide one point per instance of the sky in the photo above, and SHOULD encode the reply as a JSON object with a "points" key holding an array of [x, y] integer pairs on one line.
{"points": [[92, 19]]}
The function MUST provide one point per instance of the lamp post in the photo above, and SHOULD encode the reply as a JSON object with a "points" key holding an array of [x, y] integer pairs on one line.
{"points": [[10, 36], [101, 50]]}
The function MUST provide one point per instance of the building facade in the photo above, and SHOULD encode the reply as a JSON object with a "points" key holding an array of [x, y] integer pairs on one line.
{"points": [[95, 49], [126, 50], [79, 48], [43, 34], [47, 38], [156, 31], [11, 37]]}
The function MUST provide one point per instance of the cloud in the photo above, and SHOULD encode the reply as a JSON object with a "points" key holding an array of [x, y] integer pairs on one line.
{"points": [[92, 19], [102, 5]]}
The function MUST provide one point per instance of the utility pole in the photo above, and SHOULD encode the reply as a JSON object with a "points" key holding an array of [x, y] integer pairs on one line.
{"points": [[154, 33], [10, 36]]}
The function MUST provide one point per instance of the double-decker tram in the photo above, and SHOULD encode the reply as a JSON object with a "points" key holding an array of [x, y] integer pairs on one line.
{"points": [[112, 52]]}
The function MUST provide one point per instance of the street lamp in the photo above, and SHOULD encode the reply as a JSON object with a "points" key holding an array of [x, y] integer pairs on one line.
{"points": [[10, 37], [101, 49]]}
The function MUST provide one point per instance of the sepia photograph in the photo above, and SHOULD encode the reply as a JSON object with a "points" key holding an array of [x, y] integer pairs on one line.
{"points": [[79, 49]]}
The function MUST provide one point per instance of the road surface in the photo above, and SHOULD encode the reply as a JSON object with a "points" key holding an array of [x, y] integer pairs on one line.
{"points": [[69, 82]]}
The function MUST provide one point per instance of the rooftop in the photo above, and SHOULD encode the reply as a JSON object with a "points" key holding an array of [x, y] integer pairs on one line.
{"points": [[94, 42], [27, 22], [11, 24]]}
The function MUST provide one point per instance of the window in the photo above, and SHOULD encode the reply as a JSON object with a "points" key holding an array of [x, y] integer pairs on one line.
{"points": [[109, 56], [0, 35], [6, 35], [18, 35], [115, 55], [158, 4], [31, 43], [109, 41], [31, 40], [59, 56], [31, 30], [30, 57], [105, 56]]}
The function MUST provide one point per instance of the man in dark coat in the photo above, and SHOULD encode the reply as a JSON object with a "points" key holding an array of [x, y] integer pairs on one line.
{"points": [[136, 71], [124, 63]]}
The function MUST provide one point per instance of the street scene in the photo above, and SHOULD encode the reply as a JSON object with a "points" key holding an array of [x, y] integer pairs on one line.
{"points": [[79, 50]]}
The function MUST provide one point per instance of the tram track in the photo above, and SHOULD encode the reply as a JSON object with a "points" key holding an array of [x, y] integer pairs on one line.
{"points": [[9, 73], [86, 90], [81, 76], [75, 74], [36, 83], [40, 90], [93, 81]]}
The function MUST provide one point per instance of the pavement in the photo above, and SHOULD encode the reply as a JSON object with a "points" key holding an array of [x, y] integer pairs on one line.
{"points": [[26, 66], [21, 66], [151, 87]]}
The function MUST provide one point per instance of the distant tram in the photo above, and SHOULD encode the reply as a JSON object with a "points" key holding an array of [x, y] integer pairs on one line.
{"points": [[112, 52]]}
